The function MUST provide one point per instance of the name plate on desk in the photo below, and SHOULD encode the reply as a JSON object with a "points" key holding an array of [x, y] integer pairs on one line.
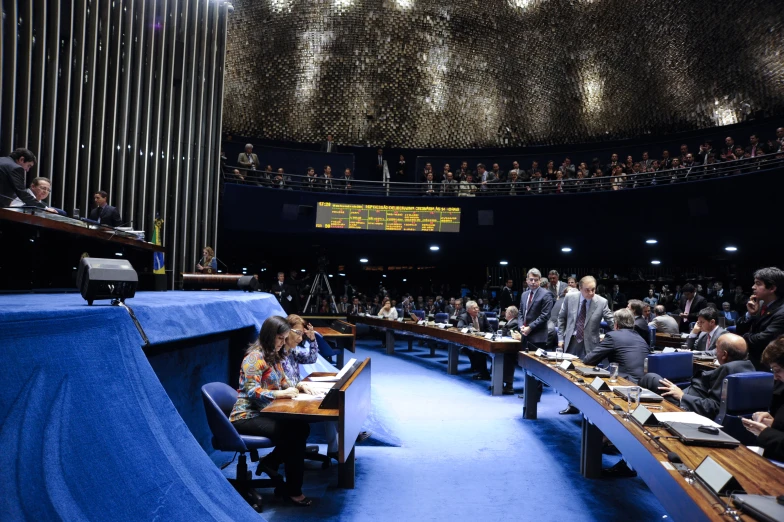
{"points": [[399, 319], [441, 325], [645, 416], [718, 479], [598, 385], [566, 365], [540, 353], [488, 336], [464, 330], [422, 322]]}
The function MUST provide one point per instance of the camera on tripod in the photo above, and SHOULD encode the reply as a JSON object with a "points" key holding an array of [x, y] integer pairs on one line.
{"points": [[323, 262]]}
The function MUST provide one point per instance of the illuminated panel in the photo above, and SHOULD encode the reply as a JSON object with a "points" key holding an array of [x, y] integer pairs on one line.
{"points": [[347, 216]]}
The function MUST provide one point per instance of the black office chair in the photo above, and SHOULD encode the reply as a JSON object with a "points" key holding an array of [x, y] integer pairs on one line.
{"points": [[219, 399]]}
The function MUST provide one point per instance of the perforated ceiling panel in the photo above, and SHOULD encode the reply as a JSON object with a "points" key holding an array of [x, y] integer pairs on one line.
{"points": [[416, 73]]}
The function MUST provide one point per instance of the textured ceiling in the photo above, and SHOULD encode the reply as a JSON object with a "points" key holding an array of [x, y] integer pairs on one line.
{"points": [[416, 73]]}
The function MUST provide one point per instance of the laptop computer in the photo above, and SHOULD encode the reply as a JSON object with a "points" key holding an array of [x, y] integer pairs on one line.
{"points": [[645, 395], [703, 356], [690, 435], [761, 507], [592, 372]]}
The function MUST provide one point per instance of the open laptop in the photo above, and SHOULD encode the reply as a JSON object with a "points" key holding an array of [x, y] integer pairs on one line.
{"points": [[645, 395], [592, 372], [690, 435], [761, 507]]}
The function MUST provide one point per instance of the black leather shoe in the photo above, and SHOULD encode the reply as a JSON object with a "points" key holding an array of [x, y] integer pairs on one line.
{"points": [[508, 390], [570, 410], [620, 470], [481, 377]]}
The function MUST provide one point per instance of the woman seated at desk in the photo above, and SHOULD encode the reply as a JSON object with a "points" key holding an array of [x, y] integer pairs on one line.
{"points": [[387, 310], [263, 380], [769, 426], [208, 263]]}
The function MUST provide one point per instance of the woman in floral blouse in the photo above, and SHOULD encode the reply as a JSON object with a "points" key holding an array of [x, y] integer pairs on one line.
{"points": [[263, 380]]}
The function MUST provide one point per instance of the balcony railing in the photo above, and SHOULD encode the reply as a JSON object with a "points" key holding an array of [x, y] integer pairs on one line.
{"points": [[506, 188]]}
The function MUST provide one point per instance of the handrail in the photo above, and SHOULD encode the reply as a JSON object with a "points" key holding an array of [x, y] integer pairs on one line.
{"points": [[495, 188]]}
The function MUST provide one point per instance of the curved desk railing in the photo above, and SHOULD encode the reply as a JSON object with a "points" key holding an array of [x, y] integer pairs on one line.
{"points": [[507, 188]]}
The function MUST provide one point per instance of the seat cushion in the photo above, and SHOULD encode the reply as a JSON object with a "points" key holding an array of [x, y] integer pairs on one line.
{"points": [[256, 442]]}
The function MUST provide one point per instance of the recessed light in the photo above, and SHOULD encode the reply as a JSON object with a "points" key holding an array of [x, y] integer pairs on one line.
{"points": [[651, 241], [302, 270], [383, 275], [342, 275], [655, 262], [731, 249], [404, 280], [118, 253], [434, 248], [363, 260], [330, 275], [504, 263], [244, 268], [566, 249]]}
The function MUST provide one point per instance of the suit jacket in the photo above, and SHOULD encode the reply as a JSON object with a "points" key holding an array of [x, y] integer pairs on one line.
{"points": [[641, 327], [697, 304], [506, 299], [511, 326], [12, 184], [108, 215], [559, 288], [431, 188], [625, 348], [618, 301], [772, 439], [325, 146], [598, 310], [697, 343], [246, 162], [665, 324], [704, 394], [761, 330], [537, 315], [466, 320], [449, 309]]}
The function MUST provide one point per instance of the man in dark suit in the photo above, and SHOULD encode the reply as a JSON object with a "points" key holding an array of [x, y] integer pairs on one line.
{"points": [[104, 213], [618, 299], [346, 180], [473, 318], [730, 316], [640, 324], [622, 346], [356, 308], [706, 332], [329, 145], [284, 294], [703, 396], [13, 173], [506, 299], [535, 306], [764, 320], [690, 305]]}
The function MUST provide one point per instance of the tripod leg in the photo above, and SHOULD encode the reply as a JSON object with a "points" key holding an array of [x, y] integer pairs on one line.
{"points": [[331, 295], [312, 292]]}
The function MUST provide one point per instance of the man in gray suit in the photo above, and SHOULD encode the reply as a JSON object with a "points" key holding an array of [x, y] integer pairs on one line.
{"points": [[556, 287], [248, 160], [663, 322], [705, 333], [581, 317]]}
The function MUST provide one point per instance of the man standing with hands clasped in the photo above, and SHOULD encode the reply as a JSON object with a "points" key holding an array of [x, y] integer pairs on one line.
{"points": [[535, 306]]}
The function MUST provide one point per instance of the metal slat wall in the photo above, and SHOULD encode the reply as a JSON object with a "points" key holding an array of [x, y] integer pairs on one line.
{"points": [[123, 96]]}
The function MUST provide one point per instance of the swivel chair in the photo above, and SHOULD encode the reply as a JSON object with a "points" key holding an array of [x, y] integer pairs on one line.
{"points": [[677, 367], [741, 395]]}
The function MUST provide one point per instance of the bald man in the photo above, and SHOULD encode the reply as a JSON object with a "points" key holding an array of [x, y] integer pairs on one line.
{"points": [[703, 396]]}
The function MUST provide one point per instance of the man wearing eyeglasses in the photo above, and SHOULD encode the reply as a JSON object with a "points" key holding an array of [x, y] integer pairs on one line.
{"points": [[40, 188]]}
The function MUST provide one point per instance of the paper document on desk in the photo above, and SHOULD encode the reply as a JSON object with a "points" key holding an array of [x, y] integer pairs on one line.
{"points": [[308, 397], [567, 356], [685, 417], [327, 378], [320, 386]]}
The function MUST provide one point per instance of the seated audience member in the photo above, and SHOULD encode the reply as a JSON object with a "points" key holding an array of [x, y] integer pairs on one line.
{"points": [[689, 307], [463, 171], [769, 426], [356, 308], [730, 316], [467, 187], [498, 174], [327, 181], [450, 308], [347, 180], [263, 380], [706, 332], [651, 300], [663, 322], [449, 186], [703, 396], [458, 311], [430, 185], [622, 346], [473, 318], [764, 319], [311, 180], [387, 311], [640, 324]]}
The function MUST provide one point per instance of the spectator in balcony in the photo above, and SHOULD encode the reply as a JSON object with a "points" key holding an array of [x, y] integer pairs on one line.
{"points": [[430, 185], [380, 163], [728, 149], [463, 171], [248, 160], [498, 174], [557, 185], [706, 149], [676, 170], [618, 178], [628, 166], [568, 169], [595, 183], [237, 175], [534, 168], [666, 161], [549, 171], [483, 178], [780, 138], [514, 186], [311, 181], [755, 148], [328, 145], [467, 187], [428, 170], [646, 162], [446, 169], [400, 171], [521, 174], [536, 183], [449, 186], [688, 163], [610, 168], [347, 180], [683, 153], [329, 183]]}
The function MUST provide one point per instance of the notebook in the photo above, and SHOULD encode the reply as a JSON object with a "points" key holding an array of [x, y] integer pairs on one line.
{"points": [[645, 395], [760, 507], [592, 372]]}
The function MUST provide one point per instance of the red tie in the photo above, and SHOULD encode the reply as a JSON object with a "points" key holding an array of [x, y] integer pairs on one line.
{"points": [[530, 298], [763, 310]]}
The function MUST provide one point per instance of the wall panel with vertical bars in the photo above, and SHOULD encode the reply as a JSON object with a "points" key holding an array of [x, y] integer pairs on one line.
{"points": [[124, 96]]}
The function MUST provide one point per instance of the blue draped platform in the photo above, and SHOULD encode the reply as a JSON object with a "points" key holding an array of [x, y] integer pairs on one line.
{"points": [[87, 429]]}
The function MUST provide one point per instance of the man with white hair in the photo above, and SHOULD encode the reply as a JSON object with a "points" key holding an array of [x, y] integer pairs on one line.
{"points": [[473, 318], [248, 160]]}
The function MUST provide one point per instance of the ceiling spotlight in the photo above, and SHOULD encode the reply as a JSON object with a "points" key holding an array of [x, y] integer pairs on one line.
{"points": [[731, 249], [434, 248], [504, 263], [566, 249], [383, 275], [651, 241], [342, 275], [655, 262], [363, 260], [330, 275], [404, 280], [302, 270]]}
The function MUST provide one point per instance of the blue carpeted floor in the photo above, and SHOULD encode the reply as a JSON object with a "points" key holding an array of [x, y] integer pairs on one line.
{"points": [[444, 449]]}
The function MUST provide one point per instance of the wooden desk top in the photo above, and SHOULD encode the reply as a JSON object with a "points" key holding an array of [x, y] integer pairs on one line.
{"points": [[307, 411], [326, 331], [69, 226], [755, 474], [451, 335]]}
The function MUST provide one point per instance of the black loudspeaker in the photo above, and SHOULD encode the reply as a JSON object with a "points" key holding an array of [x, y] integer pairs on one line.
{"points": [[106, 279], [485, 218], [248, 283]]}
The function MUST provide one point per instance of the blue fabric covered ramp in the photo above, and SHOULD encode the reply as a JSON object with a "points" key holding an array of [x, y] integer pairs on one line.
{"points": [[87, 431]]}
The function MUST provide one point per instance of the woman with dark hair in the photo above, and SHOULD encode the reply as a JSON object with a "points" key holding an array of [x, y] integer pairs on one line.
{"points": [[769, 426], [207, 264], [263, 380]]}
